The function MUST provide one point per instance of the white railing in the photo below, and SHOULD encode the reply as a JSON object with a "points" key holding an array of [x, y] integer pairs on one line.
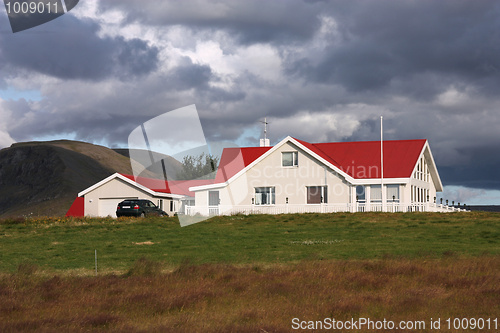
{"points": [[392, 207]]}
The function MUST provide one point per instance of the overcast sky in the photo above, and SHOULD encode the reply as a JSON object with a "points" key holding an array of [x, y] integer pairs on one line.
{"points": [[318, 70]]}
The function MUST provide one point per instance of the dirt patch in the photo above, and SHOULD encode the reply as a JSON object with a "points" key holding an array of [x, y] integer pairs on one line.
{"points": [[144, 243]]}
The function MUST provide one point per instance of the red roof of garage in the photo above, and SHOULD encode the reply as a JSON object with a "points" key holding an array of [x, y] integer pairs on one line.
{"points": [[77, 209], [174, 186]]}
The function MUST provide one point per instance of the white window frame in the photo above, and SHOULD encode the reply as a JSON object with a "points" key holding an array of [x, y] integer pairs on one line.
{"points": [[324, 194], [376, 189], [360, 197], [389, 188], [271, 195], [295, 159], [208, 198]]}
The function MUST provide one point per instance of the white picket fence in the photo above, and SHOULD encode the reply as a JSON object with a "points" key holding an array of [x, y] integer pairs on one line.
{"points": [[392, 207]]}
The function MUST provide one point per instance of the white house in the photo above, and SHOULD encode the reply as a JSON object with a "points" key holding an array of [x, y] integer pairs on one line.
{"points": [[296, 176], [102, 198]]}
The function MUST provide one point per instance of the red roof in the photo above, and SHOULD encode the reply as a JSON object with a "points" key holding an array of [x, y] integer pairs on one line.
{"points": [[77, 209], [174, 186], [234, 160], [359, 160]]}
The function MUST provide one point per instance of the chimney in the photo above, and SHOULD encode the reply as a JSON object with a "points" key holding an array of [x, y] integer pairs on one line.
{"points": [[264, 142]]}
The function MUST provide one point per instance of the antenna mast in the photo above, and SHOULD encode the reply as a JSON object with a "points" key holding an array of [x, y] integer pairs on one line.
{"points": [[384, 193], [265, 127], [264, 142]]}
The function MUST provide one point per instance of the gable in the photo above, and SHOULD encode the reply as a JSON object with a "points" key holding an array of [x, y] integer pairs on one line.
{"points": [[427, 155], [154, 187]]}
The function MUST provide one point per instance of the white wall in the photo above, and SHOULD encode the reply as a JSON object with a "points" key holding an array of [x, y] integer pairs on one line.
{"points": [[289, 182], [98, 201]]}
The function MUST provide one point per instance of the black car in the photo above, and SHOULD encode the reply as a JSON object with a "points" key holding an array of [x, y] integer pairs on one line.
{"points": [[138, 207]]}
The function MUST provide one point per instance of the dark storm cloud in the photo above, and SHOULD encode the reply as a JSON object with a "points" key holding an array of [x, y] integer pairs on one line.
{"points": [[383, 41], [249, 21], [432, 68], [189, 75], [481, 172], [110, 117], [75, 51]]}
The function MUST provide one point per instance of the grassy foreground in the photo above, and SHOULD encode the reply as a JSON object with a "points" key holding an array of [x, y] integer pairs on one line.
{"points": [[69, 244], [249, 273]]}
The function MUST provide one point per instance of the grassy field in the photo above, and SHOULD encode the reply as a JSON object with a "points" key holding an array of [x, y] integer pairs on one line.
{"points": [[70, 244], [248, 273]]}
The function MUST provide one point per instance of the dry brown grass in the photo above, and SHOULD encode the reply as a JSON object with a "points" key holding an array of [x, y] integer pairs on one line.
{"points": [[226, 298]]}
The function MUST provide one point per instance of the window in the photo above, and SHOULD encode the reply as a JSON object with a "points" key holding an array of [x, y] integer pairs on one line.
{"points": [[172, 205], [265, 196], [317, 194], [290, 158], [213, 198], [392, 192], [360, 193], [376, 193]]}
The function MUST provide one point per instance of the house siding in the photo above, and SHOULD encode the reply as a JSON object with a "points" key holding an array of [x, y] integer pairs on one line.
{"points": [[289, 182], [114, 191]]}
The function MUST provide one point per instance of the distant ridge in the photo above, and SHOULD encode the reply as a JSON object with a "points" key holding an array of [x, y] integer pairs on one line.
{"points": [[485, 208], [43, 178]]}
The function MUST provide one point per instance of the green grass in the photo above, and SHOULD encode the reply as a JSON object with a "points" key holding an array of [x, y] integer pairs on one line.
{"points": [[68, 244]]}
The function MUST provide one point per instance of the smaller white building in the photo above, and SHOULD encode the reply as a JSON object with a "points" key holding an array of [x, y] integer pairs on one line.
{"points": [[101, 199]]}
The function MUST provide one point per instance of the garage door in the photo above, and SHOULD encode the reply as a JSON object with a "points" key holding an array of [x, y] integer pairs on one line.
{"points": [[107, 207]]}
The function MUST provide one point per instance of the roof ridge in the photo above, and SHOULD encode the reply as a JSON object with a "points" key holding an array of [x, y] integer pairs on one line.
{"points": [[327, 155], [366, 141]]}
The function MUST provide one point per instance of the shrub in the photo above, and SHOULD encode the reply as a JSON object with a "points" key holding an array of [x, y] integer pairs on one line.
{"points": [[26, 269], [145, 267], [12, 220]]}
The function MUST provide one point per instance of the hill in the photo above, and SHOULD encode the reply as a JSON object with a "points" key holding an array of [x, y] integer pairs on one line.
{"points": [[143, 157], [43, 178]]}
